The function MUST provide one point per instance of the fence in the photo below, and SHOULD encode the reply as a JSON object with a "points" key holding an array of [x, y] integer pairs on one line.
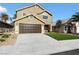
{"points": [[2, 30]]}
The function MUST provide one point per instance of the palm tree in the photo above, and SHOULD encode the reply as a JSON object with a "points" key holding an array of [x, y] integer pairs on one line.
{"points": [[4, 17], [75, 17]]}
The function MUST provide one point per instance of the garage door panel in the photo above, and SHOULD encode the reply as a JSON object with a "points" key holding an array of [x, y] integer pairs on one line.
{"points": [[30, 28]]}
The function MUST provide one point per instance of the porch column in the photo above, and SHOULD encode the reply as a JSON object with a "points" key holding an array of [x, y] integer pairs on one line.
{"points": [[16, 28], [42, 29]]}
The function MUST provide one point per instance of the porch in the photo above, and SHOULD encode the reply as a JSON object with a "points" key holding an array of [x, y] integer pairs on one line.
{"points": [[70, 28], [47, 28]]}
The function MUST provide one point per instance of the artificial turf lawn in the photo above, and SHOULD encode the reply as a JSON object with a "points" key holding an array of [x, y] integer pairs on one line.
{"points": [[62, 36]]}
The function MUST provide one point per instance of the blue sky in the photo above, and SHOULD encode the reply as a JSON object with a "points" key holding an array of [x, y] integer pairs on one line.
{"points": [[59, 10]]}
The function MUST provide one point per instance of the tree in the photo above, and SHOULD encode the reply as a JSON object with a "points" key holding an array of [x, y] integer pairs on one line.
{"points": [[58, 25], [4, 17], [75, 17]]}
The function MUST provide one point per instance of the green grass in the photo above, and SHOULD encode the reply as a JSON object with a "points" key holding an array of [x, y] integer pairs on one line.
{"points": [[62, 36]]}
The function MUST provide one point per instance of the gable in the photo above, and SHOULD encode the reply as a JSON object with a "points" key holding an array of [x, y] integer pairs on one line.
{"points": [[29, 7], [29, 10], [30, 20], [32, 9]]}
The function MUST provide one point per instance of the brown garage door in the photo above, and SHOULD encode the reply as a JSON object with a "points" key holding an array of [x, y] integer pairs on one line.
{"points": [[30, 28]]}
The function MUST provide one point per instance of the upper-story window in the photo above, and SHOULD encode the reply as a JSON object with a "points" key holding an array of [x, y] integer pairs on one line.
{"points": [[24, 14], [36, 6], [30, 17], [45, 17]]}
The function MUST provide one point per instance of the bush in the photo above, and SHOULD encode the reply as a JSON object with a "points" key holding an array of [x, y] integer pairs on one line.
{"points": [[5, 36], [2, 40]]}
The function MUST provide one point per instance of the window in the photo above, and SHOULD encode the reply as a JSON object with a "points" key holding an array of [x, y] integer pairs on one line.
{"points": [[45, 17], [36, 6], [30, 17], [66, 27], [24, 14]]}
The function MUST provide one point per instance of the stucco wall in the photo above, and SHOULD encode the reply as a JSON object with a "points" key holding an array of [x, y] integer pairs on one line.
{"points": [[47, 21], [34, 9], [77, 27]]}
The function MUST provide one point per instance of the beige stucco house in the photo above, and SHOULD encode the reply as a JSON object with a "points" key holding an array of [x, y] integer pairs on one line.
{"points": [[70, 26], [32, 19]]}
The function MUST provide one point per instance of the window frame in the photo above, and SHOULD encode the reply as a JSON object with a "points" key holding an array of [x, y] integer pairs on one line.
{"points": [[45, 17], [24, 14]]}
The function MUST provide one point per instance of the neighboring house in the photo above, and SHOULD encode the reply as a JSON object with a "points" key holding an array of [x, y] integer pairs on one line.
{"points": [[5, 27], [32, 19], [71, 27], [67, 27], [76, 27]]}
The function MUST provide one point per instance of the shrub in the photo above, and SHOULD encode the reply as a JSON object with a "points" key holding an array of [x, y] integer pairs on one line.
{"points": [[5, 36], [2, 40]]}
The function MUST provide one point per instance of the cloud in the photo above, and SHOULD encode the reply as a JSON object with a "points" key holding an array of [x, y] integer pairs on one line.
{"points": [[3, 9]]}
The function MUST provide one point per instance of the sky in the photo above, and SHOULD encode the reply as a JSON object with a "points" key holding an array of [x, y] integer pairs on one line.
{"points": [[60, 11]]}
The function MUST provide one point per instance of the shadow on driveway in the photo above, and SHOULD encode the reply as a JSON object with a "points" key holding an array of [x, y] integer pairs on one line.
{"points": [[72, 52]]}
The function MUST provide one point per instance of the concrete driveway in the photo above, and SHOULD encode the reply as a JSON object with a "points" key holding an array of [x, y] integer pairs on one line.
{"points": [[37, 44], [30, 44], [34, 44]]}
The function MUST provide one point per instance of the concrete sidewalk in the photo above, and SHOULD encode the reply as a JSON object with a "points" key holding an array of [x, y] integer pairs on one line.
{"points": [[39, 44]]}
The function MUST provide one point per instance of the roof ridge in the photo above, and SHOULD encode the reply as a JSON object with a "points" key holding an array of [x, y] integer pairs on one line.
{"points": [[34, 5], [25, 7]]}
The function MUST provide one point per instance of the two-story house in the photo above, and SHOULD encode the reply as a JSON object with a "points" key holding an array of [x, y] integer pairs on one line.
{"points": [[32, 19]]}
